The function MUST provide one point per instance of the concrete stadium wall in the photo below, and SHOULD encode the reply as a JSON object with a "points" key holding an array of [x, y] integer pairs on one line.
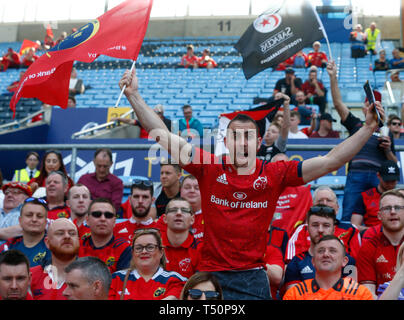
{"points": [[179, 27]]}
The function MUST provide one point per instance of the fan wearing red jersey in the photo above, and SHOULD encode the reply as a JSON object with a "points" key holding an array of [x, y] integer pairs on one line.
{"points": [[300, 240], [56, 188], [141, 200], [78, 200], [377, 257], [180, 246], [328, 260], [101, 243], [190, 191], [239, 191], [146, 279], [292, 204], [367, 206], [48, 280]]}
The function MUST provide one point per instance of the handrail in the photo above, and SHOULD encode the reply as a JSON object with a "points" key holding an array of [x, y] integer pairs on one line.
{"points": [[100, 126], [147, 146], [20, 121]]}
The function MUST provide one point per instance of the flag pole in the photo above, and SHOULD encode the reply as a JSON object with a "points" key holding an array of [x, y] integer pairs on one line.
{"points": [[124, 87], [323, 30]]}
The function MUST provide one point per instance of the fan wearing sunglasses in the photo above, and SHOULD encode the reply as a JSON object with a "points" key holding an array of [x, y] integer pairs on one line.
{"points": [[202, 286], [101, 242], [394, 125]]}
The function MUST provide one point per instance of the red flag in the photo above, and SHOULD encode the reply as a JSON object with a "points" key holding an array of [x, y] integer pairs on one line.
{"points": [[26, 45], [118, 33], [49, 31]]}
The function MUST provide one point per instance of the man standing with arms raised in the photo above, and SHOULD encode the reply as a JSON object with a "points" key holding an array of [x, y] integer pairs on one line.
{"points": [[239, 206]]}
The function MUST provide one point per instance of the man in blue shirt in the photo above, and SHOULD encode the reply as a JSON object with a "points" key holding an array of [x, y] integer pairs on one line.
{"points": [[14, 195], [397, 62], [190, 124], [33, 221]]}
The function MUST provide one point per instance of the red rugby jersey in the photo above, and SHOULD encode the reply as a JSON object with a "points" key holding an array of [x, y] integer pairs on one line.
{"points": [[116, 254], [377, 259], [292, 207], [161, 285], [369, 207], [198, 225], [299, 242], [43, 286], [59, 212], [183, 259], [126, 228], [238, 209]]}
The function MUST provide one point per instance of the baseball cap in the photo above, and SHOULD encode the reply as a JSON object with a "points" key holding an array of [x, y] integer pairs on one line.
{"points": [[289, 70], [389, 171], [327, 116], [22, 186], [378, 96]]}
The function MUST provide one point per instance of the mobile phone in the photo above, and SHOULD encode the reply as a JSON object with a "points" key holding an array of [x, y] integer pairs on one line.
{"points": [[371, 99]]}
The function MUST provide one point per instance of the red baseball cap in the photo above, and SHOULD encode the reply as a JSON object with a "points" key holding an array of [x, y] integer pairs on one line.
{"points": [[22, 186], [378, 96]]}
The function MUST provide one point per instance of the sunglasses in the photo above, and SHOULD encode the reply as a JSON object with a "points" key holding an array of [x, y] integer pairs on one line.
{"points": [[139, 182], [326, 210], [98, 214], [396, 123], [196, 294], [182, 210], [39, 201]]}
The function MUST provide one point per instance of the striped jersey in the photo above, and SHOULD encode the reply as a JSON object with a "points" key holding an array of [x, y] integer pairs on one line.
{"points": [[161, 285], [344, 289]]}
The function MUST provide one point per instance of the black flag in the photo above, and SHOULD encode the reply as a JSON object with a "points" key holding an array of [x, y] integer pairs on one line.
{"points": [[278, 34]]}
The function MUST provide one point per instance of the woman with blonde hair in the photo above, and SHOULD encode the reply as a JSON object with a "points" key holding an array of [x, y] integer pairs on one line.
{"points": [[146, 278]]}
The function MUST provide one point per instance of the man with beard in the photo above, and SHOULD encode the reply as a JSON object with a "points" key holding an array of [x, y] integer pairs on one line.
{"points": [[320, 222], [48, 280], [141, 199], [15, 277], [101, 242], [378, 254], [78, 200], [33, 221], [180, 246]]}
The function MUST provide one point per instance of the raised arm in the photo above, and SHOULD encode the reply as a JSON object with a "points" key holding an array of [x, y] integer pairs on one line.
{"points": [[319, 166], [339, 105], [178, 148], [286, 114]]}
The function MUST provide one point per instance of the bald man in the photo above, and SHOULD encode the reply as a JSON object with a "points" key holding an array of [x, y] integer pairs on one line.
{"points": [[48, 281]]}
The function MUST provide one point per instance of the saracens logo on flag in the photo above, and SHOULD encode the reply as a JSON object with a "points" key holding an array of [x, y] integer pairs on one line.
{"points": [[278, 34], [267, 23]]}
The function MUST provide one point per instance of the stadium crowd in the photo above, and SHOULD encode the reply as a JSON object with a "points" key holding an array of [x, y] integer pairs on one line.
{"points": [[241, 226]]}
